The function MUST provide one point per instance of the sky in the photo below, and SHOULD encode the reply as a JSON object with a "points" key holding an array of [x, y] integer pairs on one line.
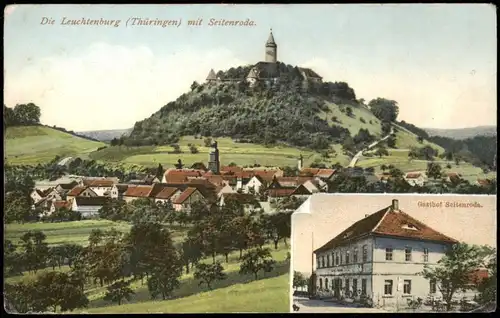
{"points": [[437, 61]]}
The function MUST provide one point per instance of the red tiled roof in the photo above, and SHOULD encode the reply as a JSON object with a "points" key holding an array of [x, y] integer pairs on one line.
{"points": [[283, 192], [231, 169], [98, 182], [215, 180], [185, 195], [266, 175], [156, 188], [181, 175], [292, 181], [76, 191], [166, 193], [325, 173], [483, 182], [387, 222], [141, 191], [413, 175], [312, 171], [245, 174], [59, 204]]}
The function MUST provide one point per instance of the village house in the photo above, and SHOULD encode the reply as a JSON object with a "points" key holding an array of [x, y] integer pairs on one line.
{"points": [[88, 207], [117, 191], [452, 177], [80, 191], [37, 195], [415, 178], [146, 179], [180, 175], [189, 196], [64, 188], [135, 192], [43, 205], [168, 193], [99, 186], [483, 182], [380, 256], [59, 204]]}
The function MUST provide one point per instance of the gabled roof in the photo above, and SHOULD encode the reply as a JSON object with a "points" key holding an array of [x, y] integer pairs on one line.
{"points": [[60, 204], [309, 171], [185, 195], [292, 182], [180, 175], [76, 191], [231, 169], [121, 187], [92, 201], [68, 186], [280, 192], [156, 188], [483, 182], [167, 193], [301, 190], [387, 222], [266, 175], [325, 173], [140, 191], [98, 182], [211, 75], [270, 40]]}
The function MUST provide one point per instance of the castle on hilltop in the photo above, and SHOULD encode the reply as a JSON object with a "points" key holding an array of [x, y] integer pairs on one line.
{"points": [[266, 71]]}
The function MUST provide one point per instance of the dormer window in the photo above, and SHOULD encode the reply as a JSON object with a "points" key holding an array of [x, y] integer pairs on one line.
{"points": [[410, 226]]}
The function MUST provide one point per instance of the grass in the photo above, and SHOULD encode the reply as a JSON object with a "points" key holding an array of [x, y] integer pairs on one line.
{"points": [[31, 145], [76, 232], [352, 123], [230, 151], [237, 293]]}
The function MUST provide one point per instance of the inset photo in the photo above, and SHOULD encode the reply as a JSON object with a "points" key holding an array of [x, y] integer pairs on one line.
{"points": [[361, 253]]}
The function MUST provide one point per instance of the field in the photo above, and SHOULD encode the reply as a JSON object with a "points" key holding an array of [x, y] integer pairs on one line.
{"points": [[39, 144], [237, 293], [399, 159], [230, 151]]}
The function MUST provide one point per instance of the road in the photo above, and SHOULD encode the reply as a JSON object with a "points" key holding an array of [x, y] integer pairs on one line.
{"points": [[360, 153], [321, 306]]}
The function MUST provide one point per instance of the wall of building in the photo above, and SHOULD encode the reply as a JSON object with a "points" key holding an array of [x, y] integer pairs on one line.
{"points": [[100, 190]]}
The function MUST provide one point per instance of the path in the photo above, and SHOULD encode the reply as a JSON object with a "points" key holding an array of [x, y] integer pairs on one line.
{"points": [[64, 161], [360, 153], [321, 306]]}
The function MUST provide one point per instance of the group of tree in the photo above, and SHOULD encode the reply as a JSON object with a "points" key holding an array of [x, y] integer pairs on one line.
{"points": [[21, 115]]}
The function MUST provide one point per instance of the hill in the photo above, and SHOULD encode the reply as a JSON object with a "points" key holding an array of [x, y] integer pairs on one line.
{"points": [[106, 135], [463, 133], [39, 144], [265, 124]]}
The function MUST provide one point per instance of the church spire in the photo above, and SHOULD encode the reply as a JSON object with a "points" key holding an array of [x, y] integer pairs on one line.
{"points": [[270, 40]]}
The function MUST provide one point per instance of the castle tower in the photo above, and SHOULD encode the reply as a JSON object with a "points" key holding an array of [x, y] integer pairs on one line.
{"points": [[213, 162], [271, 49]]}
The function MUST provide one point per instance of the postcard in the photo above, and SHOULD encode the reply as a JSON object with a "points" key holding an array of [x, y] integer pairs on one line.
{"points": [[154, 154], [357, 253]]}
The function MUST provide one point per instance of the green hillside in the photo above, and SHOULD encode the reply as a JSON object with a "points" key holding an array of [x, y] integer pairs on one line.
{"points": [[39, 144]]}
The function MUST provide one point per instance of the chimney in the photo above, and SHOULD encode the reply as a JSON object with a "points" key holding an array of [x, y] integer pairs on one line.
{"points": [[395, 205]]}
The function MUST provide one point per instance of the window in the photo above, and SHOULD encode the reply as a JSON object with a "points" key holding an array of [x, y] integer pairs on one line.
{"points": [[328, 260], [341, 259], [347, 257], [355, 255], [408, 254], [347, 285], [426, 254], [432, 287], [320, 283], [337, 260], [365, 253], [388, 287], [322, 261], [326, 283], [355, 285], [388, 254], [363, 286], [318, 262], [407, 287]]}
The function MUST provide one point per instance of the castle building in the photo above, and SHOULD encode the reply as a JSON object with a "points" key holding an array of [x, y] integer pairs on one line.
{"points": [[267, 71]]}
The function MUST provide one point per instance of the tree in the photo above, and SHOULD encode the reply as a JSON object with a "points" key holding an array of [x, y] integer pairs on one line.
{"points": [[193, 149], [488, 286], [27, 114], [391, 142], [384, 109], [256, 260], [434, 170], [299, 280], [383, 167], [453, 271], [381, 151], [164, 282], [207, 142], [159, 171], [420, 139], [179, 164], [35, 250], [191, 253], [208, 273], [194, 85], [348, 111], [119, 291], [17, 207]]}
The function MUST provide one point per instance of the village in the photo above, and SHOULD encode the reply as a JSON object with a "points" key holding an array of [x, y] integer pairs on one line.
{"points": [[258, 187]]}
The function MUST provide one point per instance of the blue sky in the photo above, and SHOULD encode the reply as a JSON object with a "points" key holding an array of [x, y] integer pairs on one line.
{"points": [[437, 61]]}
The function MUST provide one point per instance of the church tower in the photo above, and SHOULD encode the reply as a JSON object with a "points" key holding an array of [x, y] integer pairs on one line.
{"points": [[213, 162], [271, 49]]}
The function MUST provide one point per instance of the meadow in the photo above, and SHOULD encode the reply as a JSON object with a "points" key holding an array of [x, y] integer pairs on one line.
{"points": [[30, 145], [237, 293]]}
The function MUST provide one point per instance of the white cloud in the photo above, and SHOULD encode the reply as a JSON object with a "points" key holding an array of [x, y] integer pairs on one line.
{"points": [[107, 86], [450, 100]]}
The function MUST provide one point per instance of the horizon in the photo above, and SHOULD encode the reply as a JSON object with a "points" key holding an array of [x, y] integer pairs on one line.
{"points": [[442, 72]]}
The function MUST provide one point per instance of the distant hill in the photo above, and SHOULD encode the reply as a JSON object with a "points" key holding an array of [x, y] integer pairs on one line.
{"points": [[463, 133], [106, 135], [31, 145]]}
